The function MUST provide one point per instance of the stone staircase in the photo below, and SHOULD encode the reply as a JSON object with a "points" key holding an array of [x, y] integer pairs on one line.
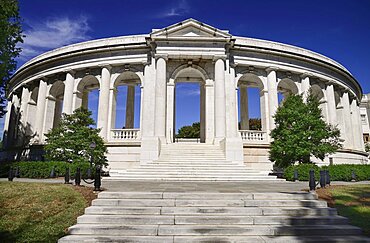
{"points": [[211, 217], [192, 162]]}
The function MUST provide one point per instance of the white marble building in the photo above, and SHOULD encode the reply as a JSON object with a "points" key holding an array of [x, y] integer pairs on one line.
{"points": [[190, 51]]}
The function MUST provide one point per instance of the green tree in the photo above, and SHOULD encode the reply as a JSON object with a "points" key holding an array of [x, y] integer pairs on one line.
{"points": [[70, 141], [255, 124], [10, 36], [192, 131], [301, 132]]}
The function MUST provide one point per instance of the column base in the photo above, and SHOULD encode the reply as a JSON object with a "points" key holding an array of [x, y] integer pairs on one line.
{"points": [[234, 150], [150, 148]]}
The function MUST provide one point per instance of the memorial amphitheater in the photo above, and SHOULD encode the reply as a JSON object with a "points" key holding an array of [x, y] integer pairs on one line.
{"points": [[150, 66]]}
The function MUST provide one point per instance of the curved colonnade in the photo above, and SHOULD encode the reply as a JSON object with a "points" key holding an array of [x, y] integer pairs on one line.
{"points": [[149, 67]]}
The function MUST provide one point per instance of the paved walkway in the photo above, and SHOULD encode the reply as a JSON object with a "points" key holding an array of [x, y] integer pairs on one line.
{"points": [[187, 186]]}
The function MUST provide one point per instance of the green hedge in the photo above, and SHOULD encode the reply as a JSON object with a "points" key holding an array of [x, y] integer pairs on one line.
{"points": [[342, 172], [41, 169]]}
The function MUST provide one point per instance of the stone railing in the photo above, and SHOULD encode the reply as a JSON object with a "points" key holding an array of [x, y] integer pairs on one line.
{"points": [[125, 134], [251, 136]]}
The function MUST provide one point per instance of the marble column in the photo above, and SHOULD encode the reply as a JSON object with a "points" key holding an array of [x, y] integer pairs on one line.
{"points": [[26, 94], [244, 114], [130, 107], [160, 99], [305, 85], [264, 110], [348, 132], [68, 92], [6, 137], [104, 101], [331, 104], [112, 111], [210, 111], [50, 106], [202, 113], [220, 100], [170, 111], [272, 95], [356, 126], [40, 111], [360, 131]]}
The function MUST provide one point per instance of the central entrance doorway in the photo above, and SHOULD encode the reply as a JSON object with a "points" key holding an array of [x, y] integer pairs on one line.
{"points": [[186, 106]]}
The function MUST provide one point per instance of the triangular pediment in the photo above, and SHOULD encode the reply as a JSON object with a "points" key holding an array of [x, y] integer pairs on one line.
{"points": [[190, 28]]}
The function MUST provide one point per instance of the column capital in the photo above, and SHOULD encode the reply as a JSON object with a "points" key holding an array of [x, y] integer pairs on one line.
{"points": [[26, 86], [306, 75], [164, 56], [217, 57], [43, 78], [105, 65], [271, 68], [330, 82], [70, 71]]}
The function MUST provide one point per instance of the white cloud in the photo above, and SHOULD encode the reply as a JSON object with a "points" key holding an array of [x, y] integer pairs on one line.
{"points": [[180, 8], [191, 90], [53, 33]]}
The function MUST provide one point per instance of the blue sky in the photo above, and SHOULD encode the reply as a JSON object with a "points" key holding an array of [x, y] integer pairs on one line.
{"points": [[339, 29]]}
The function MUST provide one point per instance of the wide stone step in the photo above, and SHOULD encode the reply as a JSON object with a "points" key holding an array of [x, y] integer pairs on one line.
{"points": [[134, 202], [169, 230], [113, 210], [208, 195], [112, 238], [164, 165], [126, 219], [195, 172], [195, 162], [251, 203], [188, 169], [209, 219], [249, 211], [257, 230], [191, 178], [203, 239], [123, 230], [235, 179]]}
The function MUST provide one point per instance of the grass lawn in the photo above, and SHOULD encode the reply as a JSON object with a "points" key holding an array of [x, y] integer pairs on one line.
{"points": [[35, 212], [352, 202]]}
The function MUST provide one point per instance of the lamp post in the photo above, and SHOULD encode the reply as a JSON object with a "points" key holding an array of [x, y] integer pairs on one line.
{"points": [[92, 147]]}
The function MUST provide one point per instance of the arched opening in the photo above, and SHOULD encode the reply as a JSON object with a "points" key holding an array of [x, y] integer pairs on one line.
{"points": [[54, 105], [285, 88], [316, 91], [188, 105], [251, 100], [126, 102], [87, 95]]}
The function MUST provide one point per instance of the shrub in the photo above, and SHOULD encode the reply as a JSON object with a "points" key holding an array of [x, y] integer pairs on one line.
{"points": [[41, 169], [342, 172]]}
